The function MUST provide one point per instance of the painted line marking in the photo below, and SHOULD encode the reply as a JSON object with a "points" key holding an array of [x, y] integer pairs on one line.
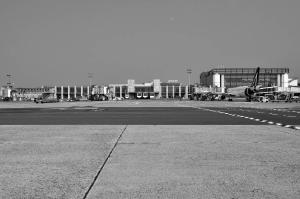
{"points": [[251, 118]]}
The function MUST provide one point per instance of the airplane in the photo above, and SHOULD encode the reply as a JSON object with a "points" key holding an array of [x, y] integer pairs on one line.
{"points": [[245, 91]]}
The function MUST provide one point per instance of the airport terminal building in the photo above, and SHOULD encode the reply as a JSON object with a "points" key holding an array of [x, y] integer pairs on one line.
{"points": [[155, 89], [234, 77], [152, 90]]}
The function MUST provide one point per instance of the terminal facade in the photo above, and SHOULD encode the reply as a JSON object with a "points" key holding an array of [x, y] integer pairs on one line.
{"points": [[153, 90], [234, 77]]}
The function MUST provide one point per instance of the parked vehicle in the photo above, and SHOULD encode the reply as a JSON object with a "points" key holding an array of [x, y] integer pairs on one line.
{"points": [[263, 99], [45, 100]]}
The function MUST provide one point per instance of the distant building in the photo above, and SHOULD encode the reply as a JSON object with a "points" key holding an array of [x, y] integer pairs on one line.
{"points": [[72, 92], [5, 92], [234, 77], [25, 94], [150, 90]]}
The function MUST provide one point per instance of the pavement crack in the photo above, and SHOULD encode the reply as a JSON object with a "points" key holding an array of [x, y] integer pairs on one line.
{"points": [[104, 163]]}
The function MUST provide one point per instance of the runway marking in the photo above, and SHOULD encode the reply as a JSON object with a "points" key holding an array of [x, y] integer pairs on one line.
{"points": [[84, 108], [251, 118], [284, 110], [289, 116]]}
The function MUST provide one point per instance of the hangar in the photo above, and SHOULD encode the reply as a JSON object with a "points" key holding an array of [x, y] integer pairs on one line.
{"points": [[233, 77]]}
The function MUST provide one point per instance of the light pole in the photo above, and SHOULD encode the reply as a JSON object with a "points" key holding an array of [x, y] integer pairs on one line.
{"points": [[90, 76], [189, 72], [9, 80]]}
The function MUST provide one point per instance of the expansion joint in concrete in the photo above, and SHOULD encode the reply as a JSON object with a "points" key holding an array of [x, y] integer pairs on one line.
{"points": [[104, 163]]}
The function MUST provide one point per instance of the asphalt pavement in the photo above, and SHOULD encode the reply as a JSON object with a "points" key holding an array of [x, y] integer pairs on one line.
{"points": [[118, 116]]}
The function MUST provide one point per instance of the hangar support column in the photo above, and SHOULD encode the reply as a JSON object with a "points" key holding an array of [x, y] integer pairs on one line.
{"points": [[114, 89], [186, 92], [173, 94], [222, 83], [55, 92], [75, 91], [180, 90], [167, 92]]}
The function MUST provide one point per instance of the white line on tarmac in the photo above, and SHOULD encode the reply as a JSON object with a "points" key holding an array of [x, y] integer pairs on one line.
{"points": [[251, 118]]}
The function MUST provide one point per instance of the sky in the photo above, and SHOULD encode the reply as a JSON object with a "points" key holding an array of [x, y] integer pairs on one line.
{"points": [[59, 42]]}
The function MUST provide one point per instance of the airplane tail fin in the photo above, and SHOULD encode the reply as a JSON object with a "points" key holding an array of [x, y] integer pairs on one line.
{"points": [[255, 78]]}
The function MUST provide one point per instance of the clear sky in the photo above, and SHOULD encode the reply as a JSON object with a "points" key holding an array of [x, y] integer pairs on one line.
{"points": [[48, 42]]}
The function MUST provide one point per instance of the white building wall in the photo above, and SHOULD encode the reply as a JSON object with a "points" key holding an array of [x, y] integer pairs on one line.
{"points": [[156, 85], [285, 80], [131, 87], [216, 80]]}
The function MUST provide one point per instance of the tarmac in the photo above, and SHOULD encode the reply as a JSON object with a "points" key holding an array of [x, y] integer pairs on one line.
{"points": [[149, 161]]}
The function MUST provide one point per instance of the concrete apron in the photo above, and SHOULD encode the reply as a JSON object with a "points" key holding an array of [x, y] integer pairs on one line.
{"points": [[202, 162], [149, 161]]}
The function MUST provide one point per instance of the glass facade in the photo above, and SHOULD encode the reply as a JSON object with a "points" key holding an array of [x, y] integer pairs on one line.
{"points": [[234, 77]]}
